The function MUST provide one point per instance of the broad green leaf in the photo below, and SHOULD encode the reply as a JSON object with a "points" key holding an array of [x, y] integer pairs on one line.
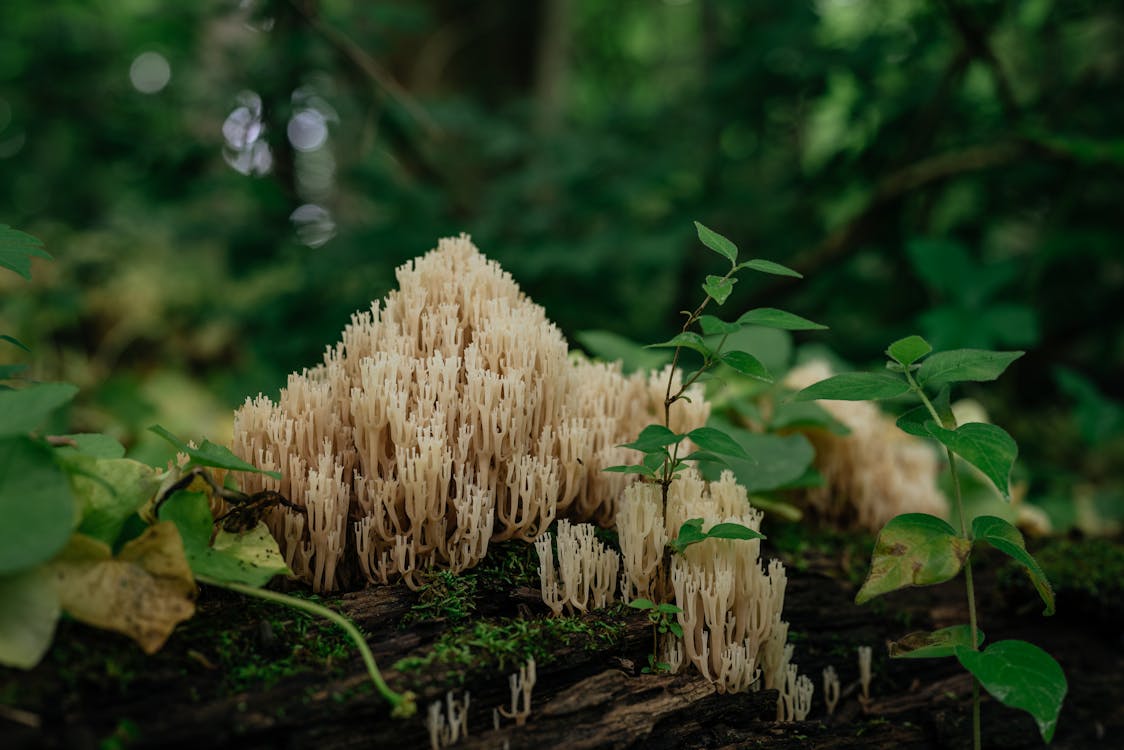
{"points": [[914, 549], [908, 350], [210, 454], [705, 456], [251, 558], [14, 342], [96, 445], [960, 365], [687, 340], [1009, 540], [717, 243], [987, 447], [855, 386], [772, 318], [1020, 675], [768, 266], [36, 505], [732, 531], [110, 492], [712, 326], [779, 459], [653, 460], [689, 533], [719, 288], [28, 408], [934, 645], [612, 347], [716, 441], [642, 604], [143, 593], [792, 415], [29, 610], [654, 437], [747, 365], [668, 609], [17, 248]]}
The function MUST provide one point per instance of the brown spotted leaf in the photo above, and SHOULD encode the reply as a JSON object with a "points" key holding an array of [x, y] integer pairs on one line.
{"points": [[914, 549]]}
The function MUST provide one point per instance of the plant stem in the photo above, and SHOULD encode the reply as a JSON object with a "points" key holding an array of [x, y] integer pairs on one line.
{"points": [[970, 589], [403, 705]]}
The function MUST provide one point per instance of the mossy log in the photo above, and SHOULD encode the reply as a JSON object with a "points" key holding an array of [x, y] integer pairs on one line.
{"points": [[244, 675]]}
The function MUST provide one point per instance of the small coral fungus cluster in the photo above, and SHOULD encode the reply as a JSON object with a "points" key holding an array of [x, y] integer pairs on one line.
{"points": [[446, 417]]}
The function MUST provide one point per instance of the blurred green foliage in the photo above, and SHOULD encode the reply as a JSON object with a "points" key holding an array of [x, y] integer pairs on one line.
{"points": [[224, 182]]}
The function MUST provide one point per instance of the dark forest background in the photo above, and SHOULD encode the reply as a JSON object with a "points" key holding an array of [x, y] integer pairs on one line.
{"points": [[223, 183]]}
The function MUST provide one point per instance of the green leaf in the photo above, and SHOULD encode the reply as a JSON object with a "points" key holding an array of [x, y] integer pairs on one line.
{"points": [[676, 629], [642, 604], [687, 340], [768, 266], [987, 447], [28, 408], [1009, 540], [717, 243], [914, 549], [716, 441], [612, 347], [855, 386], [110, 491], [772, 318], [712, 326], [14, 341], [654, 437], [719, 288], [934, 645], [689, 533], [1020, 675], [747, 364], [908, 350], [778, 459], [790, 415], [29, 610], [210, 454], [250, 558], [17, 248], [36, 505], [733, 531], [629, 469], [96, 445], [960, 365]]}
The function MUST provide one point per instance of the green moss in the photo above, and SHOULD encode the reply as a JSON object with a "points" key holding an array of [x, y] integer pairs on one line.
{"points": [[509, 565], [1089, 573], [506, 643], [446, 596]]}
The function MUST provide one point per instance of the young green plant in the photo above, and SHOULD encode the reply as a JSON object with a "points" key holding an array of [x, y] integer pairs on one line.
{"points": [[917, 549], [662, 447]]}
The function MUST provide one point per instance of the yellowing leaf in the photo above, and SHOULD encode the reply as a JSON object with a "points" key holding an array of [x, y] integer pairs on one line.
{"points": [[27, 618], [143, 593]]}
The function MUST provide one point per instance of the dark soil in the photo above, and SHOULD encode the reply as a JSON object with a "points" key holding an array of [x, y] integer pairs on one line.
{"points": [[247, 675]]}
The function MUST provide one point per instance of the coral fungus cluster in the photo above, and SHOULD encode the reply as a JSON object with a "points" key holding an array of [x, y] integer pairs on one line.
{"points": [[449, 415], [873, 474]]}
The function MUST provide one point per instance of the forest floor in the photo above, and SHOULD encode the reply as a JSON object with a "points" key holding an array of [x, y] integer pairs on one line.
{"points": [[248, 675]]}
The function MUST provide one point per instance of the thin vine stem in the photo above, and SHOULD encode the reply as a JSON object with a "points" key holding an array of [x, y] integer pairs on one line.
{"points": [[403, 705], [969, 586]]}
